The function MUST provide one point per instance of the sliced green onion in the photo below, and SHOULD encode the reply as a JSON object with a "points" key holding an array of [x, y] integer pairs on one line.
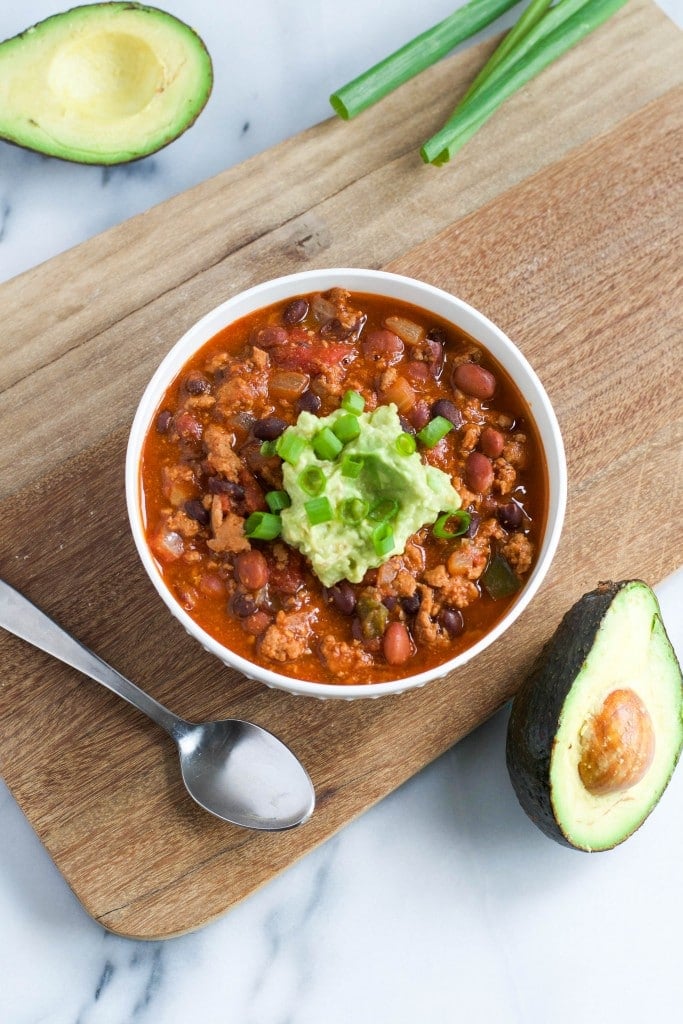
{"points": [[383, 539], [326, 444], [561, 27], [312, 481], [353, 402], [277, 500], [269, 448], [405, 444], [352, 465], [461, 518], [262, 526], [434, 431], [346, 428], [352, 510], [499, 579], [415, 56], [290, 447], [384, 510], [318, 510]]}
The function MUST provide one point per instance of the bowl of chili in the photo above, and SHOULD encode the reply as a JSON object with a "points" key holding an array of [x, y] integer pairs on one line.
{"points": [[345, 483]]}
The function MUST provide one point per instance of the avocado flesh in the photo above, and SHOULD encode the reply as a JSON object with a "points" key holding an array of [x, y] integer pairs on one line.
{"points": [[612, 639], [102, 84]]}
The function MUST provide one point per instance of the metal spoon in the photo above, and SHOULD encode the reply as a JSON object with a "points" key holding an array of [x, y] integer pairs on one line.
{"points": [[234, 769]]}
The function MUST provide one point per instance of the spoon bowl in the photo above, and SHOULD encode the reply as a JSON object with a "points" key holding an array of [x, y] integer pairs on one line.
{"points": [[234, 769]]}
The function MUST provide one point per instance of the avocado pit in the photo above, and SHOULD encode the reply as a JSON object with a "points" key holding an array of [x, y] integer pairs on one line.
{"points": [[617, 744]]}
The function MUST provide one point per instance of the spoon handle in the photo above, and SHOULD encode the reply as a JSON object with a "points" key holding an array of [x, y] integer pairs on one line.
{"points": [[20, 616]]}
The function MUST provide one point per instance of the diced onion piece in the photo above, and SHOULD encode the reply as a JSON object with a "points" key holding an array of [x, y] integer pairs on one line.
{"points": [[402, 394], [409, 332], [288, 384]]}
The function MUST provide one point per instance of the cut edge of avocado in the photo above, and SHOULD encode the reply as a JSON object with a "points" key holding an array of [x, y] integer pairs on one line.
{"points": [[102, 84], [612, 641]]}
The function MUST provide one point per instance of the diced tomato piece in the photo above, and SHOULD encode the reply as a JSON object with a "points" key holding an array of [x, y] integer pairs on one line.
{"points": [[313, 359]]}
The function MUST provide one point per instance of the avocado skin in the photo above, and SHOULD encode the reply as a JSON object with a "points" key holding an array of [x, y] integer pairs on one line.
{"points": [[536, 709]]}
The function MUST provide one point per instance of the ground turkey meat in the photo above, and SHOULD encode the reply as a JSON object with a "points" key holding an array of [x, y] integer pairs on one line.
{"points": [[220, 454], [183, 524], [453, 591], [229, 536], [519, 552], [288, 638], [343, 659]]}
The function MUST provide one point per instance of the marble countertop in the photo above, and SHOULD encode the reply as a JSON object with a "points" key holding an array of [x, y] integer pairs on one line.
{"points": [[441, 903]]}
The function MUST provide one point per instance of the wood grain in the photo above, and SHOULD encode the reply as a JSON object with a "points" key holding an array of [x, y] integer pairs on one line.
{"points": [[573, 250]]}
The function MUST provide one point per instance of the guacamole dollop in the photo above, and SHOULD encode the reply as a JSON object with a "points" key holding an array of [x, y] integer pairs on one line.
{"points": [[389, 482]]}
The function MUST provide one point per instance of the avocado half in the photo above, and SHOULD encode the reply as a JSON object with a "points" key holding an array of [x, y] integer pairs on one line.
{"points": [[102, 84], [596, 729]]}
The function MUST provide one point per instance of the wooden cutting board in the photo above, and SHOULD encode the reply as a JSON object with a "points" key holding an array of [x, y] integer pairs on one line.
{"points": [[561, 220]]}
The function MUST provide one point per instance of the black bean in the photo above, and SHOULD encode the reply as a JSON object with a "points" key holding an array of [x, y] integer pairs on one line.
{"points": [[243, 605], [390, 602], [510, 515], [344, 597], [295, 312], [437, 334], [407, 426], [195, 510], [452, 621], [269, 428], [217, 485], [357, 629], [197, 384], [471, 530], [309, 402], [164, 421], [411, 605], [448, 410]]}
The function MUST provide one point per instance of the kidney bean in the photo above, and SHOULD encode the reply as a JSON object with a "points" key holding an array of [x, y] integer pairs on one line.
{"points": [[478, 472], [452, 621], [491, 442], [390, 602], [195, 510], [474, 380], [433, 356], [309, 402], [448, 410], [295, 312], [419, 415], [256, 623], [382, 346], [269, 428], [164, 421], [396, 644], [344, 597], [212, 585], [189, 428], [269, 337], [417, 372], [510, 515], [251, 569]]}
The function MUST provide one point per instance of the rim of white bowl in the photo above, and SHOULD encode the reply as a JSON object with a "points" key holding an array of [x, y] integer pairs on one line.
{"points": [[434, 300]]}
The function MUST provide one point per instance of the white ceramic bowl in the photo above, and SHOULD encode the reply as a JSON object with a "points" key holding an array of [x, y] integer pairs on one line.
{"points": [[394, 286]]}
